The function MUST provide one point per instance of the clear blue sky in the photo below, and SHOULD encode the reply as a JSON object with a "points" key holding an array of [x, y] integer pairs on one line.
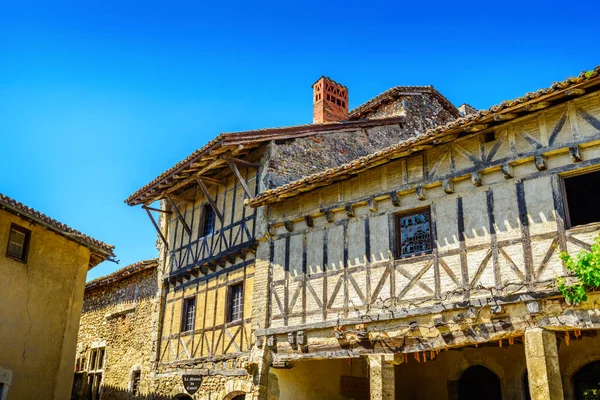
{"points": [[99, 97]]}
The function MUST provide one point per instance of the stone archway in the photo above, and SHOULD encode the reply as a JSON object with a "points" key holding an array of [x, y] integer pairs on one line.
{"points": [[237, 395], [479, 382], [586, 382], [183, 396]]}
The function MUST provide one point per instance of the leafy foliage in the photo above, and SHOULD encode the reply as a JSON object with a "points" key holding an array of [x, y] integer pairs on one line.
{"points": [[586, 267]]}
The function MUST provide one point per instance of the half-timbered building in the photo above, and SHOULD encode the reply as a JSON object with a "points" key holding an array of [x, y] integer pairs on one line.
{"points": [[426, 270], [208, 235]]}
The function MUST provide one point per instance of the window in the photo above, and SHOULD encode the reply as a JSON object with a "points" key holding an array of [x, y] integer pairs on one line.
{"points": [[18, 243], [489, 137], [94, 374], [236, 302], [414, 233], [580, 204], [1, 389], [188, 315], [208, 225], [135, 382]]}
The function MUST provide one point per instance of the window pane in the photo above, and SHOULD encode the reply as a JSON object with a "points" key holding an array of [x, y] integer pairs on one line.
{"points": [[209, 221], [16, 244], [415, 234], [189, 314], [236, 305]]}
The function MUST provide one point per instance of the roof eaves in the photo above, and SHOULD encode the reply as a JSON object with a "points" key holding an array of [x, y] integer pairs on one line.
{"points": [[122, 273]]}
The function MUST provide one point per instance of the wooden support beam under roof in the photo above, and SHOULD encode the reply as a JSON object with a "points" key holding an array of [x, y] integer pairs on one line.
{"points": [[242, 162], [179, 216], [237, 173], [211, 201], [162, 237]]}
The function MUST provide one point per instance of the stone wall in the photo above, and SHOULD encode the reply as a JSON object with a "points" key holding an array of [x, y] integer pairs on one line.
{"points": [[118, 316]]}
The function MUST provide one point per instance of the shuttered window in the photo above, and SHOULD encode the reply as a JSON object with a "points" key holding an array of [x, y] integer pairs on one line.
{"points": [[18, 243]]}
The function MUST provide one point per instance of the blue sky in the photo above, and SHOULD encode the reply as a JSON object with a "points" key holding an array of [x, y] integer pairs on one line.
{"points": [[99, 97]]}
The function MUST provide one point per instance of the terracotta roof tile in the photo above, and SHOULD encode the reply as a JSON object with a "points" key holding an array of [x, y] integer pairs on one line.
{"points": [[105, 250], [122, 273]]}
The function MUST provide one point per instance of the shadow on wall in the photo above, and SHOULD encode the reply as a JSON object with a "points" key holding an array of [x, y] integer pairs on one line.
{"points": [[116, 393]]}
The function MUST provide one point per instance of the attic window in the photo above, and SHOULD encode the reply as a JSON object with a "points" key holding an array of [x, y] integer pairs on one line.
{"points": [[489, 137]]}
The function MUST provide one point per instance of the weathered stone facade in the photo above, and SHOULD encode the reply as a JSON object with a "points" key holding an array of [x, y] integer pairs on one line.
{"points": [[118, 317]]}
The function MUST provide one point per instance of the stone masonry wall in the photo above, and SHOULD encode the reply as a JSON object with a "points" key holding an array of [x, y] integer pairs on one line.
{"points": [[119, 317]]}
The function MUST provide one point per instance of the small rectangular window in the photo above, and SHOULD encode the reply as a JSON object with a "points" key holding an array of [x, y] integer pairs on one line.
{"points": [[18, 243], [208, 225], [413, 232], [135, 382], [188, 314], [236, 302], [581, 206]]}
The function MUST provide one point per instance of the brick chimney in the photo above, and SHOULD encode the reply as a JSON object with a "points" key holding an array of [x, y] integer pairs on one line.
{"points": [[330, 101]]}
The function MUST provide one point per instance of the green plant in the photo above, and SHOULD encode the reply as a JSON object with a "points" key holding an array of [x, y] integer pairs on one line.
{"points": [[586, 267]]}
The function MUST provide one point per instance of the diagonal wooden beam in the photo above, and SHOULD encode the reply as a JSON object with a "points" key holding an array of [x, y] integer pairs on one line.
{"points": [[179, 216], [156, 227], [236, 171], [212, 181], [211, 201], [242, 162]]}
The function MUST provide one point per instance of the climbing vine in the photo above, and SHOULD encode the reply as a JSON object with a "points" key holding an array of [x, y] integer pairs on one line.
{"points": [[586, 267]]}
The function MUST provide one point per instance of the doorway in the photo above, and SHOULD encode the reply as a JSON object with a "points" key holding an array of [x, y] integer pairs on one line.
{"points": [[478, 382]]}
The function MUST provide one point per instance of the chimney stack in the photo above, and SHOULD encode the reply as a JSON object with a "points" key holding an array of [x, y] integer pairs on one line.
{"points": [[330, 101]]}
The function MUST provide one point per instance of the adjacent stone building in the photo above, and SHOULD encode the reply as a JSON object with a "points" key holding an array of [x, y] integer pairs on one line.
{"points": [[114, 342], [43, 266]]}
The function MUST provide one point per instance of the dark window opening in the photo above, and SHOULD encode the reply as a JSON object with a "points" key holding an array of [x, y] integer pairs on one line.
{"points": [[236, 302], [18, 243], [581, 205], [135, 382], [587, 382], [413, 232], [1, 389], [489, 137], [478, 382], [208, 226], [188, 315]]}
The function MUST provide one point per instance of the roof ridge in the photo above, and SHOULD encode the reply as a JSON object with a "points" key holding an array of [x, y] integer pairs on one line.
{"points": [[59, 227], [122, 273]]}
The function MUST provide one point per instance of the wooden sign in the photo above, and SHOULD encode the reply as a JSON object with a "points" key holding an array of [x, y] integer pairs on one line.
{"points": [[191, 383], [354, 387]]}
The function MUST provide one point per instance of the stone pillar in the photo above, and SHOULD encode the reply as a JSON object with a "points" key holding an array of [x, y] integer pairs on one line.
{"points": [[543, 368], [381, 376]]}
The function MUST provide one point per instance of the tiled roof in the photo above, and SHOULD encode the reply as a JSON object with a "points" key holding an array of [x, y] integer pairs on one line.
{"points": [[122, 273], [185, 168], [397, 91], [12, 205], [456, 126]]}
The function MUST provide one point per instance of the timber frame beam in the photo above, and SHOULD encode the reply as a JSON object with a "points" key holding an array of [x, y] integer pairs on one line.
{"points": [[211, 201], [162, 237], [179, 216]]}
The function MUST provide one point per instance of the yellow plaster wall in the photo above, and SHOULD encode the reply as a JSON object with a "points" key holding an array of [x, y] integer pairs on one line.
{"points": [[40, 307]]}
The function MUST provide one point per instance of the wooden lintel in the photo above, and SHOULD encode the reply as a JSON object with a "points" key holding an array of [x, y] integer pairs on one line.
{"points": [[575, 92], [476, 127], [505, 117], [537, 106], [308, 219], [243, 162], [211, 201], [162, 237], [236, 171], [179, 216], [289, 226]]}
